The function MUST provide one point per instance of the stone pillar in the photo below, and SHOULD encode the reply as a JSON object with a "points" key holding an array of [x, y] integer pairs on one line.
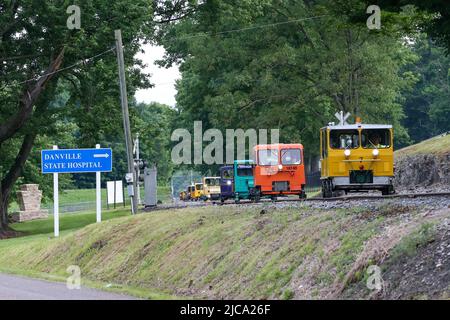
{"points": [[29, 198]]}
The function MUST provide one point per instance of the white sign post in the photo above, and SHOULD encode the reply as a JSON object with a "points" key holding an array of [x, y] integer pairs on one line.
{"points": [[56, 201], [99, 193], [76, 161]]}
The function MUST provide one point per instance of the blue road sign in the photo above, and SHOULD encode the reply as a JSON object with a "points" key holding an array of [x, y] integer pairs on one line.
{"points": [[76, 160]]}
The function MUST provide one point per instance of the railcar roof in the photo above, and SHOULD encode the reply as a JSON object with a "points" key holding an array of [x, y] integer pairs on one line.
{"points": [[243, 161], [278, 145], [359, 126]]}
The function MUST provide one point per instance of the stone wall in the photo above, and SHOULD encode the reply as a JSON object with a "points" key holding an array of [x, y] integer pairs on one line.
{"points": [[29, 199]]}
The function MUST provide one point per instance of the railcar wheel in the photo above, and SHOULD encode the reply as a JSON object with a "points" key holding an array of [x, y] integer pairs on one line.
{"points": [[327, 191]]}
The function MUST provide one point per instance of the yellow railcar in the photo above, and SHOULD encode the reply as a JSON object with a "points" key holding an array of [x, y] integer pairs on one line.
{"points": [[356, 157], [211, 188], [197, 191]]}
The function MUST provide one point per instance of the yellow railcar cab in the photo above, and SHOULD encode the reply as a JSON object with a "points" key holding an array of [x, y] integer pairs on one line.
{"points": [[198, 191], [356, 157]]}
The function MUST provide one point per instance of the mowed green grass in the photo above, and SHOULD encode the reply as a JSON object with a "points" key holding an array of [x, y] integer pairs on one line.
{"points": [[217, 252], [77, 196], [69, 221], [88, 195], [436, 145]]}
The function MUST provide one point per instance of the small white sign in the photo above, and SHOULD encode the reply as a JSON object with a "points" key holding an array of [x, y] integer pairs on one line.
{"points": [[118, 188]]}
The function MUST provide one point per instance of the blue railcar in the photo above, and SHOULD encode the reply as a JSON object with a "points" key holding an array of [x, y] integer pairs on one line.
{"points": [[226, 183]]}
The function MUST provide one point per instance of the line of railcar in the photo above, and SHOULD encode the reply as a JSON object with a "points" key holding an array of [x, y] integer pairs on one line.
{"points": [[356, 157]]}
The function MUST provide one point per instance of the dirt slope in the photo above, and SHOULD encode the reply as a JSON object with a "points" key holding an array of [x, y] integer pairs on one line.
{"points": [[265, 251], [424, 166]]}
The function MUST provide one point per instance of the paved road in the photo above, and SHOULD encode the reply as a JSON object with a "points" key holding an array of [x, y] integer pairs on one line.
{"points": [[21, 288]]}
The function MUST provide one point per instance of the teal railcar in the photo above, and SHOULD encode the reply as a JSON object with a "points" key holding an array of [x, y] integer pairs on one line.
{"points": [[243, 180]]}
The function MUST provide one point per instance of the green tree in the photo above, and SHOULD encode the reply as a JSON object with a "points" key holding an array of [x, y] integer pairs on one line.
{"points": [[426, 104], [266, 73], [154, 123], [36, 44]]}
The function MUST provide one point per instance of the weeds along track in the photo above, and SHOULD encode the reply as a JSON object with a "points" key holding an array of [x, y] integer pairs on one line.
{"points": [[187, 204]]}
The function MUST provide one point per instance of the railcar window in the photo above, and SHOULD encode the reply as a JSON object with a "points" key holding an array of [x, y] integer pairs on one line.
{"points": [[268, 157], [245, 171], [376, 138], [212, 182], [227, 174], [344, 139], [290, 156]]}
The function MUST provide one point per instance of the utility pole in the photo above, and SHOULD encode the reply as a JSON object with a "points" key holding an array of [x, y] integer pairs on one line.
{"points": [[126, 123], [138, 170]]}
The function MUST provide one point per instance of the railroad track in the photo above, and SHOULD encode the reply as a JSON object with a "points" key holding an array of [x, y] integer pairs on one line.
{"points": [[316, 199]]}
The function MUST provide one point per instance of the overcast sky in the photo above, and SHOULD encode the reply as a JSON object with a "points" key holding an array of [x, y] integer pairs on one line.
{"points": [[163, 79]]}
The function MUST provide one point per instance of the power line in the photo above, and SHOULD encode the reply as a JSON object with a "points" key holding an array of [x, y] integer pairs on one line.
{"points": [[205, 34], [83, 61]]}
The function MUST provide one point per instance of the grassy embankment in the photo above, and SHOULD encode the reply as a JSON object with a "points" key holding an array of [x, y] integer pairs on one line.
{"points": [[220, 252], [436, 145]]}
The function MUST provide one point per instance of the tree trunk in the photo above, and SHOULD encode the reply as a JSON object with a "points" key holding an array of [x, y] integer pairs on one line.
{"points": [[3, 215], [11, 127], [10, 179]]}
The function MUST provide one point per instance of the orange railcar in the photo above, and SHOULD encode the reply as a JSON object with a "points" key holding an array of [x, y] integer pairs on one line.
{"points": [[279, 170]]}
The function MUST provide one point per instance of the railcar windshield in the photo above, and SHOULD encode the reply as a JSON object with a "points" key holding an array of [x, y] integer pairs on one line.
{"points": [[227, 174], [290, 156], [376, 138], [244, 171], [268, 157], [212, 181], [344, 139]]}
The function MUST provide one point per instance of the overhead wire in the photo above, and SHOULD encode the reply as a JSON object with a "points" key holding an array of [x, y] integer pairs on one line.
{"points": [[204, 34]]}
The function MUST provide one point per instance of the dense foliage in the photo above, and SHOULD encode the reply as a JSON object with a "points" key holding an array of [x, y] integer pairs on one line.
{"points": [[288, 65], [258, 64], [35, 41]]}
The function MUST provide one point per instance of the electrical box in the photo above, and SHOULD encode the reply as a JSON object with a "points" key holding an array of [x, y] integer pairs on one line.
{"points": [[150, 186], [130, 190], [129, 177]]}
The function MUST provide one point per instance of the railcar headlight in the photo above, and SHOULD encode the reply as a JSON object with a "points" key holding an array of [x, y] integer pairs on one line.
{"points": [[280, 166], [229, 182], [347, 152], [375, 152]]}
